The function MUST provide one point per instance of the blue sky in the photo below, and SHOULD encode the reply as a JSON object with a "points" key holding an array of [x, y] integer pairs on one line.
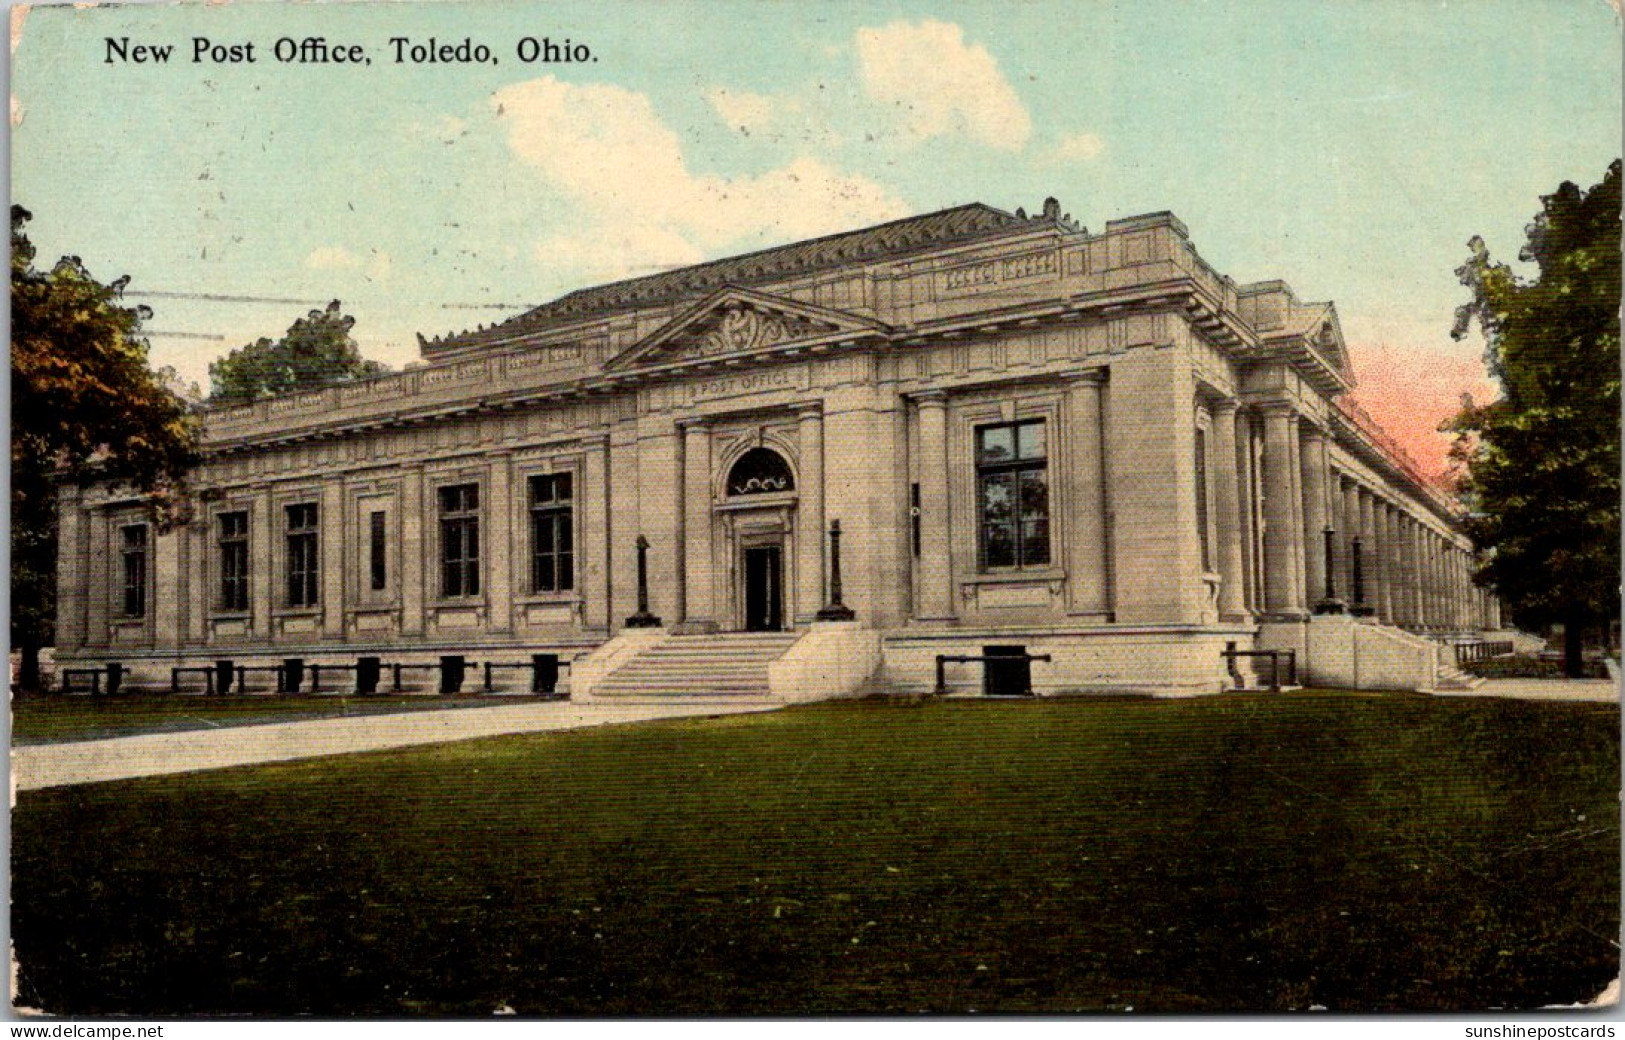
{"points": [[1348, 148]]}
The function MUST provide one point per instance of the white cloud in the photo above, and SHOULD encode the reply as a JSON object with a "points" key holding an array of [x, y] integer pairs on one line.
{"points": [[743, 110], [637, 204], [1080, 147], [941, 86]]}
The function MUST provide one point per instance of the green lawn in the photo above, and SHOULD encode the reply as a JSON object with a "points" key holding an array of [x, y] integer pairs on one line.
{"points": [[49, 719], [1230, 853]]}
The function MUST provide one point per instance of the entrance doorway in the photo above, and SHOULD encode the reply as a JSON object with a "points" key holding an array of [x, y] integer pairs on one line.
{"points": [[764, 588]]}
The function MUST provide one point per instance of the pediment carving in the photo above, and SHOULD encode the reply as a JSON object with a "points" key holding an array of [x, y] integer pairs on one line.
{"points": [[740, 321]]}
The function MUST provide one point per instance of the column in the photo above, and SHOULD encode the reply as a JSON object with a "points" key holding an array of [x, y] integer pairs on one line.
{"points": [[1227, 513], [1357, 585], [330, 520], [1405, 549], [1382, 562], [1370, 567], [1419, 565], [1463, 589], [1430, 566], [1316, 520], [166, 587], [1283, 536], [934, 600], [1087, 574], [1393, 565], [1302, 594], [597, 532], [262, 576], [810, 514], [700, 610], [413, 551]]}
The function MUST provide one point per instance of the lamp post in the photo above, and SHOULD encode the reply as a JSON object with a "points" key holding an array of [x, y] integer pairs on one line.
{"points": [[643, 619], [835, 610]]}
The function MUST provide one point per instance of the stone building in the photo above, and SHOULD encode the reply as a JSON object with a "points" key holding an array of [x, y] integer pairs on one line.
{"points": [[1090, 446]]}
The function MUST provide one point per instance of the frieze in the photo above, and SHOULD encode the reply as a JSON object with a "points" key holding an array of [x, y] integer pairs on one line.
{"points": [[447, 375], [682, 394]]}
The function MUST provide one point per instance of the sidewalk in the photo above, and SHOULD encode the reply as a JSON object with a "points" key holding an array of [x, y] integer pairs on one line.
{"points": [[157, 754], [1595, 691]]}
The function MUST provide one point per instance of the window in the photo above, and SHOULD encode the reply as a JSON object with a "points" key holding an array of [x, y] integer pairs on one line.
{"points": [[552, 538], [302, 567], [376, 550], [1012, 495], [760, 471], [1201, 499], [460, 540], [233, 561], [133, 553]]}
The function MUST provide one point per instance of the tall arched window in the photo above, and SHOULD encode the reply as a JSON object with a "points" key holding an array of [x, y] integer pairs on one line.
{"points": [[760, 471]]}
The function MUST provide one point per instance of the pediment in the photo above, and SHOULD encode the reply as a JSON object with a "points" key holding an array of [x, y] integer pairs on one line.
{"points": [[1325, 335], [735, 320]]}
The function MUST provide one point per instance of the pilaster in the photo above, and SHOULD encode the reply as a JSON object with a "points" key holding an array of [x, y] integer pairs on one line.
{"points": [[810, 513], [414, 551], [934, 598], [699, 614], [499, 541], [330, 518]]}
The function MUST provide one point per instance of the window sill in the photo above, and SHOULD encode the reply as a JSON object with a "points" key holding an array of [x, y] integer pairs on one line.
{"points": [[567, 598], [285, 612], [1030, 577], [230, 615]]}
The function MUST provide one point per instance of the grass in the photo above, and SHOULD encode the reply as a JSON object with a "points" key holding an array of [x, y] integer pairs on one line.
{"points": [[52, 719], [1359, 852]]}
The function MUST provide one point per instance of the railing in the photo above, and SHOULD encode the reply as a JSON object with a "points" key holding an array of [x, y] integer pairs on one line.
{"points": [[114, 673], [1467, 653], [1230, 654]]}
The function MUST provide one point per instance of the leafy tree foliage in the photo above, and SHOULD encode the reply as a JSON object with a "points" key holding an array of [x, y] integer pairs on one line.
{"points": [[1542, 464], [316, 351], [84, 405]]}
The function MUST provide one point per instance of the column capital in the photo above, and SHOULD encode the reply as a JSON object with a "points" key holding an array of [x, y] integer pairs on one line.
{"points": [[1276, 409], [934, 398], [811, 411], [697, 424], [1223, 407]]}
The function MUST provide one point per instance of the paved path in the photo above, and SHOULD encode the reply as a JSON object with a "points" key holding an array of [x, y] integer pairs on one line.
{"points": [[157, 754], [1597, 691]]}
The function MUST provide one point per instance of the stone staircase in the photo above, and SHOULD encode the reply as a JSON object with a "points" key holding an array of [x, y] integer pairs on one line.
{"points": [[1449, 678], [731, 665]]}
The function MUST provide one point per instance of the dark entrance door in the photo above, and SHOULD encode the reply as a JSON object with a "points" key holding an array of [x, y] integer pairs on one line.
{"points": [[764, 588]]}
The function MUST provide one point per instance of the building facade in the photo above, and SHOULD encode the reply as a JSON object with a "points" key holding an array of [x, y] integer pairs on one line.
{"points": [[1088, 445]]}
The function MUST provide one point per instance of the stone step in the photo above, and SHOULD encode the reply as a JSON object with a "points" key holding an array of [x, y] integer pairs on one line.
{"points": [[729, 665]]}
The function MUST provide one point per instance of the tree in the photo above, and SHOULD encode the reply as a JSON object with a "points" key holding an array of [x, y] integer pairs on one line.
{"points": [[84, 406], [1541, 464], [316, 351]]}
